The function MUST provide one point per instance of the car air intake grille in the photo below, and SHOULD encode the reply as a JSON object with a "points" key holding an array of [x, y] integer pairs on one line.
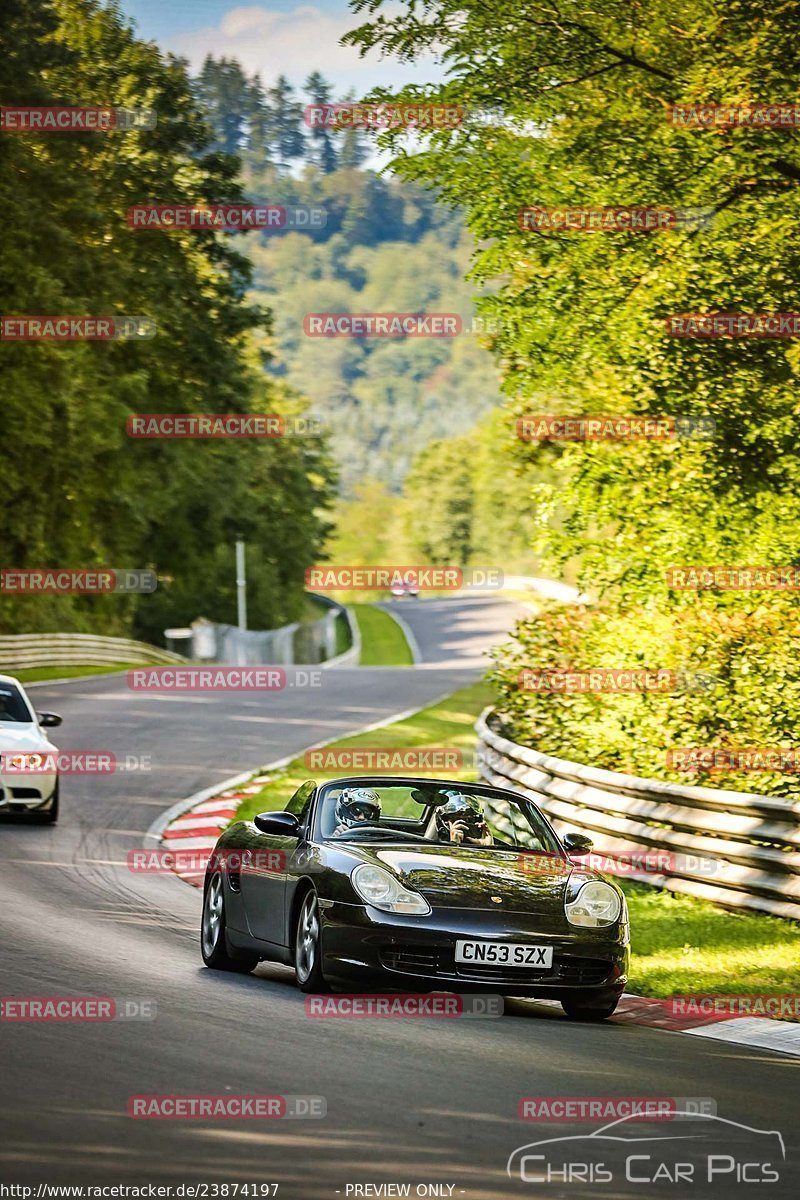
{"points": [[574, 971], [427, 959], [583, 970], [413, 959]]}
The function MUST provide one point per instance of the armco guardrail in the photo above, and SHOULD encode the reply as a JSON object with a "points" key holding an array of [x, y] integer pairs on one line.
{"points": [[351, 657], [737, 849], [18, 651], [310, 642]]}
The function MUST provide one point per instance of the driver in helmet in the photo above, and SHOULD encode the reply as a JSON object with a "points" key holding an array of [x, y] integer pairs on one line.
{"points": [[461, 820], [356, 806]]}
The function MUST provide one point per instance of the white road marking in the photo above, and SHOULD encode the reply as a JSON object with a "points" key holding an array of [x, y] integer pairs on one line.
{"points": [[766, 1033]]}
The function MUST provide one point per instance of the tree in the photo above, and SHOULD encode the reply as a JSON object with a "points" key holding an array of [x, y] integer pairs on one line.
{"points": [[578, 103], [323, 149], [227, 98], [285, 123], [79, 493]]}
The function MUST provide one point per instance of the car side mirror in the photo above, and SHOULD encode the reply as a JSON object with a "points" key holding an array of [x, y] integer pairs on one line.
{"points": [[283, 824], [48, 719], [576, 843]]}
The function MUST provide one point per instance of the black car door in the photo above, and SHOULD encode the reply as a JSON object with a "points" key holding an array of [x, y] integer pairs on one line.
{"points": [[265, 870]]}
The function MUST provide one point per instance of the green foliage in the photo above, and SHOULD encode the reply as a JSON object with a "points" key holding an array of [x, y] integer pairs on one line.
{"points": [[383, 399], [685, 946], [724, 662], [568, 107], [386, 245], [271, 124], [78, 492], [468, 501]]}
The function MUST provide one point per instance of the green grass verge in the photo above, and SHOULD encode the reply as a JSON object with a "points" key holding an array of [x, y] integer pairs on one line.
{"points": [[448, 723], [680, 945], [683, 945], [34, 674], [383, 643]]}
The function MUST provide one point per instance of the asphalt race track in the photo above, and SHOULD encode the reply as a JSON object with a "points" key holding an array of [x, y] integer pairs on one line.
{"points": [[408, 1101]]}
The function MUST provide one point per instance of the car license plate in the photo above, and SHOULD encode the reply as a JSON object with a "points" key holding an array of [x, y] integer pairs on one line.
{"points": [[505, 954]]}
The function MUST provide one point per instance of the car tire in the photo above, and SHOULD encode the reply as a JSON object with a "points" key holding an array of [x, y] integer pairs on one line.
{"points": [[50, 815], [592, 1007], [214, 945], [307, 946]]}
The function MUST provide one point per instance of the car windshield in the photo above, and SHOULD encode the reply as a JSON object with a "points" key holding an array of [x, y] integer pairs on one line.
{"points": [[464, 814], [12, 706]]}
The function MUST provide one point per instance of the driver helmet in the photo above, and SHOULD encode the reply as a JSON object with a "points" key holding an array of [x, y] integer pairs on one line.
{"points": [[459, 807], [356, 805]]}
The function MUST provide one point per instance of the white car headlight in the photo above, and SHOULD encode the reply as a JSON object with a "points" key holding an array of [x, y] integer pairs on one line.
{"points": [[25, 762], [382, 890], [595, 904]]}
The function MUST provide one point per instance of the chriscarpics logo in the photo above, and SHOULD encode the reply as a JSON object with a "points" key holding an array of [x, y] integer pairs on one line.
{"points": [[685, 1155]]}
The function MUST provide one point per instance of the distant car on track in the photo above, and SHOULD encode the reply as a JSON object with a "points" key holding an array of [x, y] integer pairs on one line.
{"points": [[417, 885], [401, 589], [27, 784]]}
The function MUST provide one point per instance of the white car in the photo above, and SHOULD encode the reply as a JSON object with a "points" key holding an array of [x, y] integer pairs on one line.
{"points": [[401, 589], [28, 760]]}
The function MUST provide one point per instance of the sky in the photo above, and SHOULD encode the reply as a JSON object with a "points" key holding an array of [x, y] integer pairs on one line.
{"points": [[281, 36]]}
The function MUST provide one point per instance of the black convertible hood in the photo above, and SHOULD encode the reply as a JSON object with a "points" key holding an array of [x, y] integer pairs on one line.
{"points": [[468, 876]]}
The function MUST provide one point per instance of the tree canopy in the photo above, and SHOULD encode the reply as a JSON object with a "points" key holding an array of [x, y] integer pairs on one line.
{"points": [[571, 106], [78, 491]]}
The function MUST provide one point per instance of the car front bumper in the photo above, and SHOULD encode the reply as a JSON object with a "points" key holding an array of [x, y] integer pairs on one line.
{"points": [[363, 946], [31, 792]]}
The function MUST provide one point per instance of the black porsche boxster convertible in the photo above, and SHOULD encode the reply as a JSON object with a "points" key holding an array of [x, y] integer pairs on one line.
{"points": [[417, 885]]}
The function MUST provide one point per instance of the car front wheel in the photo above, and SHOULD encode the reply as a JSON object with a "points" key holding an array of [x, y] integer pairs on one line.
{"points": [[307, 950], [213, 938]]}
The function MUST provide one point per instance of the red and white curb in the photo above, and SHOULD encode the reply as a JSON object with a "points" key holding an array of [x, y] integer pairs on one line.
{"points": [[193, 834], [765, 1033]]}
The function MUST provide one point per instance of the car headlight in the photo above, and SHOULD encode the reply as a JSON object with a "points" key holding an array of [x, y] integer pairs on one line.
{"points": [[25, 762], [595, 904], [383, 890]]}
